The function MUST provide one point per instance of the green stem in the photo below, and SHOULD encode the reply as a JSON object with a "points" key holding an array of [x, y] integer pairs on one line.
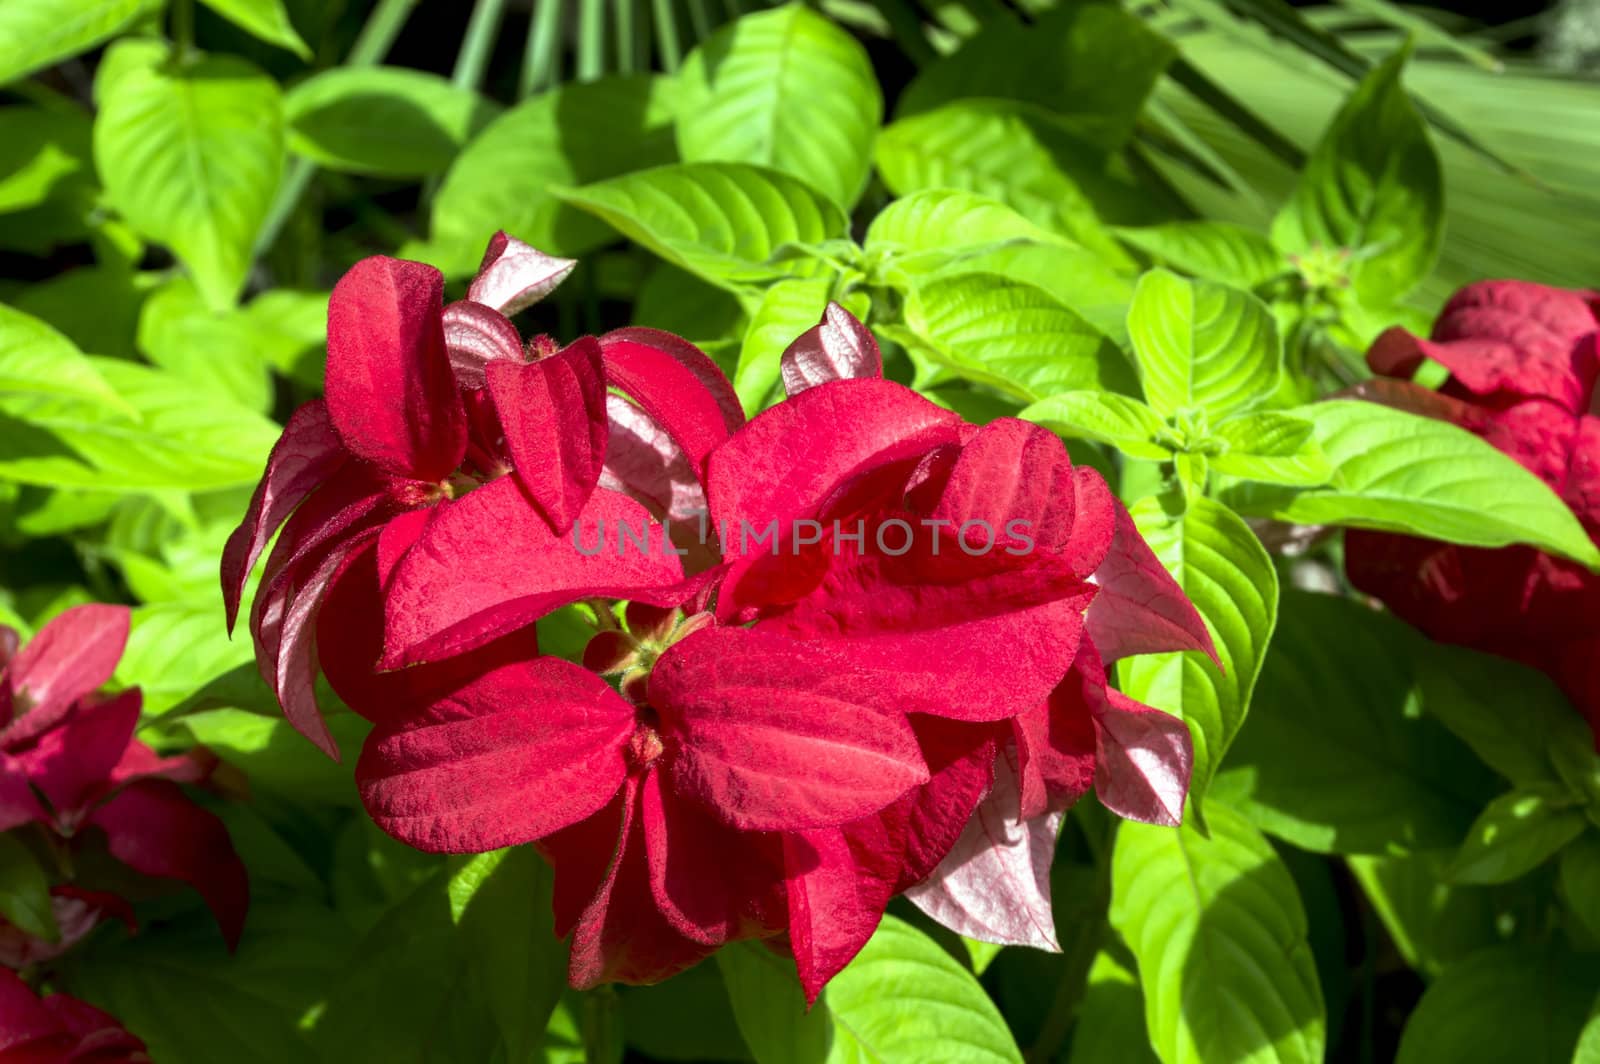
{"points": [[591, 39], [625, 44], [541, 61], [700, 19], [666, 26], [183, 29], [373, 43], [478, 44]]}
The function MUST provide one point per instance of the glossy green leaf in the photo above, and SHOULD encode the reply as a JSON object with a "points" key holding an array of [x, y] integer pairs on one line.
{"points": [[1091, 65], [267, 20], [1110, 1023], [176, 649], [1270, 447], [784, 88], [191, 157], [1202, 345], [1523, 1003], [1005, 151], [901, 998], [273, 756], [38, 363], [43, 154], [1220, 935], [1516, 833], [1105, 417], [387, 121], [214, 350], [1336, 756], [38, 33], [172, 440], [1373, 187], [1217, 251], [1229, 576], [1012, 336], [1398, 472], [25, 891], [720, 221], [936, 225], [1580, 880], [1434, 924], [569, 136]]}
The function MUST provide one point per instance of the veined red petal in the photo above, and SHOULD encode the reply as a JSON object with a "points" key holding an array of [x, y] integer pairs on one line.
{"points": [[1143, 761], [514, 275], [1012, 471], [475, 337], [772, 734], [390, 390], [1140, 608], [307, 454], [523, 751], [72, 764], [489, 564], [69, 658], [840, 347], [677, 384], [18, 804], [994, 885], [154, 829], [840, 879], [553, 412], [1518, 339]]}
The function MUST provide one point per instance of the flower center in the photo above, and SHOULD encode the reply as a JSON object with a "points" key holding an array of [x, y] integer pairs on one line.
{"points": [[644, 745]]}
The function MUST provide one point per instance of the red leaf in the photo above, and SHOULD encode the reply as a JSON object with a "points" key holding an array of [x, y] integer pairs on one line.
{"points": [[72, 764], [675, 383], [475, 337], [390, 391], [523, 751], [152, 828], [994, 885], [1140, 608], [514, 275], [69, 658], [1144, 757], [840, 879], [839, 348], [777, 735], [308, 453], [554, 415]]}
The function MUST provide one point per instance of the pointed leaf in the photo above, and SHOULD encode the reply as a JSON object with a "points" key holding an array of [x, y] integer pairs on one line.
{"points": [[840, 347], [264, 19], [1202, 345], [384, 121], [1516, 833], [38, 33], [1216, 251], [514, 275], [1143, 760], [1105, 417], [38, 362], [25, 891]]}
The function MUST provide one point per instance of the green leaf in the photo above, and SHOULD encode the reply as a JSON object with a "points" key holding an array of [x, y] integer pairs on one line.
{"points": [[217, 351], [1432, 923], [1270, 447], [275, 757], [1220, 935], [1473, 695], [902, 998], [1580, 881], [1524, 1003], [1090, 64], [786, 310], [720, 221], [784, 88], [1588, 1051], [1373, 187], [1516, 833], [25, 891], [570, 136], [192, 1002], [1012, 336], [39, 33], [36, 362], [1110, 1023], [1336, 756], [1007, 152], [43, 155], [1229, 576], [176, 649], [686, 1018], [1105, 417], [387, 121], [175, 440], [1202, 345], [1398, 472], [504, 908], [936, 225], [265, 20], [191, 157], [1217, 251]]}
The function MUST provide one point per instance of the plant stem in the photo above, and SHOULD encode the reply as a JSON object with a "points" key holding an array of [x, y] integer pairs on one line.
{"points": [[183, 29], [478, 44], [666, 26], [591, 39], [542, 58], [373, 43]]}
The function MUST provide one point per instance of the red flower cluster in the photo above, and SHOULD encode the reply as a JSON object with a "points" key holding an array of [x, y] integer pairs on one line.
{"points": [[57, 1029], [841, 617], [1523, 361], [69, 763]]}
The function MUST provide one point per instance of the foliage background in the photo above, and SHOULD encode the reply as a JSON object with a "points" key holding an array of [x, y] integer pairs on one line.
{"points": [[181, 183]]}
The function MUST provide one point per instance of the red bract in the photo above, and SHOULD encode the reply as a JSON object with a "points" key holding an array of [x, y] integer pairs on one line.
{"points": [[424, 404], [69, 762], [1523, 362], [57, 1029], [808, 708]]}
